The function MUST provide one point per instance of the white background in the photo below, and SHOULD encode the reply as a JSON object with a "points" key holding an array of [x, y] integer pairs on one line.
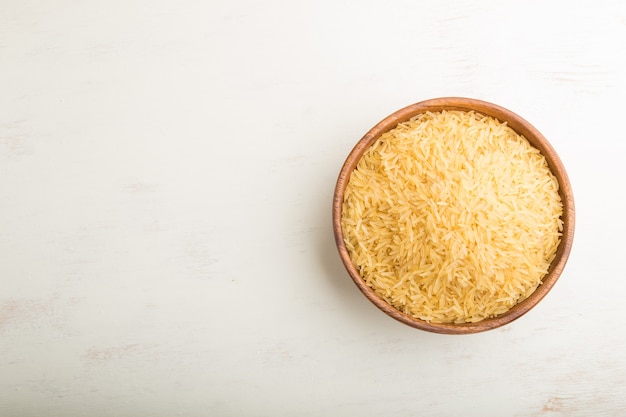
{"points": [[166, 178]]}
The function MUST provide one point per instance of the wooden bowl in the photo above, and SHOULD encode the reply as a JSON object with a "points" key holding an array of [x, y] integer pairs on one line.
{"points": [[522, 127]]}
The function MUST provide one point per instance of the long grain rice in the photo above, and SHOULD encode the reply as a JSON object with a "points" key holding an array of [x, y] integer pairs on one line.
{"points": [[452, 217]]}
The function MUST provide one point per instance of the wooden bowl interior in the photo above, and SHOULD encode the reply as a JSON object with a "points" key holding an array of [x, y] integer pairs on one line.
{"points": [[522, 127]]}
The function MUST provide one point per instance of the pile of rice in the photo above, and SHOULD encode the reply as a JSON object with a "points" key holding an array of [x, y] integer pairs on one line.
{"points": [[452, 217]]}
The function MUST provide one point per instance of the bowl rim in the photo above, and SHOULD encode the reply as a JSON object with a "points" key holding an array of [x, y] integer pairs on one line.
{"points": [[521, 126]]}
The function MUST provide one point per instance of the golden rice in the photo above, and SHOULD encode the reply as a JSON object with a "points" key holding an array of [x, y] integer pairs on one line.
{"points": [[452, 217]]}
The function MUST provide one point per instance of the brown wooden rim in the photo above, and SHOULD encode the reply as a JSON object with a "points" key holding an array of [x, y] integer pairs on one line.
{"points": [[522, 127]]}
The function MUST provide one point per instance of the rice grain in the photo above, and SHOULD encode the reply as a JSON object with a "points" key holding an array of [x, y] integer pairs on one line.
{"points": [[452, 217]]}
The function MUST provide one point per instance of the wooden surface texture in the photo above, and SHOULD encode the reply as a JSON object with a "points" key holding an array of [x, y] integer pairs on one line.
{"points": [[167, 171]]}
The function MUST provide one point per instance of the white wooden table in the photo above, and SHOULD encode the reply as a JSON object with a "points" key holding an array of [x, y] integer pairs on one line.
{"points": [[166, 177]]}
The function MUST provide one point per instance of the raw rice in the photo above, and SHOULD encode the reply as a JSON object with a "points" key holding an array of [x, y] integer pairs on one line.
{"points": [[452, 217]]}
